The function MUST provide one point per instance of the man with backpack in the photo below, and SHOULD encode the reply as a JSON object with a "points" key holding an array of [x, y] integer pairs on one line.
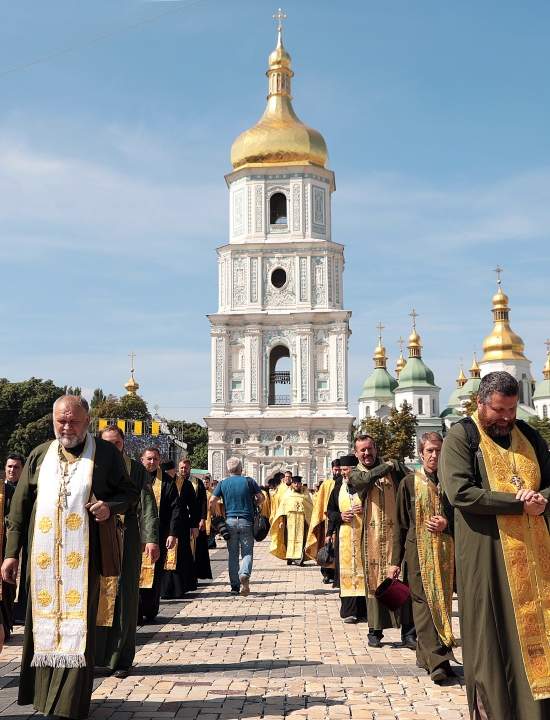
{"points": [[239, 494]]}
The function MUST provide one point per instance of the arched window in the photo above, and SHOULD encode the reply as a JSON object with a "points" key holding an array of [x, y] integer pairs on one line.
{"points": [[545, 411], [277, 209], [420, 406], [279, 376]]}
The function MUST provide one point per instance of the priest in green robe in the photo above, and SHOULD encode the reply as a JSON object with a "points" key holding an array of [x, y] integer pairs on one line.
{"points": [[423, 544], [495, 470], [67, 488], [116, 644], [376, 482]]}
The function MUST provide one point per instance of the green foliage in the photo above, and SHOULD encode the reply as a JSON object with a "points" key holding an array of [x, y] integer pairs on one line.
{"points": [[542, 425], [128, 407], [196, 437], [22, 404], [69, 390], [470, 405], [97, 398], [395, 436]]}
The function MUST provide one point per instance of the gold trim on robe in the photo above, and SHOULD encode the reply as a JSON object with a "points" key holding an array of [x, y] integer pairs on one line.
{"points": [[108, 590], [378, 534], [293, 513], [317, 528], [525, 545], [147, 574], [435, 557], [352, 577]]}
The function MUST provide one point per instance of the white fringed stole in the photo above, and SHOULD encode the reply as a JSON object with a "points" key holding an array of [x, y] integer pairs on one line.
{"points": [[60, 555]]}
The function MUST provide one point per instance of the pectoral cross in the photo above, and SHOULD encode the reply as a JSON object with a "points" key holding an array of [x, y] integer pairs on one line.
{"points": [[517, 481], [64, 493]]}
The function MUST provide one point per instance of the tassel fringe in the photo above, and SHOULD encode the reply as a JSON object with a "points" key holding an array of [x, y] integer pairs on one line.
{"points": [[55, 660]]}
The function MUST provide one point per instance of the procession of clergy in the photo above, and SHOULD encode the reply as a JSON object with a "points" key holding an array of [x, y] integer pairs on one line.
{"points": [[470, 519]]}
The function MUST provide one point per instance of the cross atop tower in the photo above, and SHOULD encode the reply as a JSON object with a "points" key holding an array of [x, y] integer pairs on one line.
{"points": [[279, 17], [401, 342], [414, 315], [132, 357], [547, 343], [499, 272], [380, 327]]}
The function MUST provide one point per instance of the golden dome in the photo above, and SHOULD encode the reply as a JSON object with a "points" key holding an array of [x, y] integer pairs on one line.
{"points": [[503, 343], [546, 368], [380, 358], [415, 343], [279, 137], [401, 362], [132, 386], [461, 379]]}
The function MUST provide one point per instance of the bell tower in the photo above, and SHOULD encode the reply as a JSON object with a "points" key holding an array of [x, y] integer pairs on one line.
{"points": [[280, 336]]}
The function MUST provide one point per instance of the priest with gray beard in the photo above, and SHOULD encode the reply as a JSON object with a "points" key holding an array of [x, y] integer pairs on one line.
{"points": [[68, 486]]}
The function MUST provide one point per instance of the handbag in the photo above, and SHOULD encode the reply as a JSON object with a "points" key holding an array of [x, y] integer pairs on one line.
{"points": [[325, 556], [260, 525], [392, 593]]}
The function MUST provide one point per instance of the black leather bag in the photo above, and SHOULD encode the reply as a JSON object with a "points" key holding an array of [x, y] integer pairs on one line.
{"points": [[325, 556], [261, 526]]}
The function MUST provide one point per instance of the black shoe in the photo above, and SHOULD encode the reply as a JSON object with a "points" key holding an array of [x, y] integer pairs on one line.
{"points": [[408, 642], [121, 673], [289, 562], [438, 675], [374, 641], [235, 590], [326, 580]]}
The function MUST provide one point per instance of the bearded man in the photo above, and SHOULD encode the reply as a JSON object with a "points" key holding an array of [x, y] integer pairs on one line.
{"points": [[67, 488], [495, 470]]}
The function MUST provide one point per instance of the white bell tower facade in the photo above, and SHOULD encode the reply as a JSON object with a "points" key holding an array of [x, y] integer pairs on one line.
{"points": [[280, 336]]}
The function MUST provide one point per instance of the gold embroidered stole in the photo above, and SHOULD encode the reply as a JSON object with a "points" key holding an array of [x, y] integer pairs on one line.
{"points": [[147, 574], [294, 511], [435, 556], [379, 509], [317, 528], [526, 549], [208, 522], [352, 577]]}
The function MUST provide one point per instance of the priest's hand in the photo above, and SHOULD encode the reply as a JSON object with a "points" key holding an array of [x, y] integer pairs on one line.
{"points": [[393, 571], [171, 542], [152, 551], [347, 516], [9, 570], [202, 525], [437, 523], [100, 510], [536, 504], [357, 509], [194, 533]]}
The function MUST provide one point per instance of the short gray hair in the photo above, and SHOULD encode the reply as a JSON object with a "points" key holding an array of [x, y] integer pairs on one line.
{"points": [[498, 381], [77, 400], [234, 466]]}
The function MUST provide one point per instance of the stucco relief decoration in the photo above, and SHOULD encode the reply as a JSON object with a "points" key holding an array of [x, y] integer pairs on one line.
{"points": [[296, 208], [217, 465], [285, 295], [222, 283], [337, 281], [215, 436], [340, 369], [249, 209], [304, 369], [220, 364], [254, 280], [303, 279], [239, 282], [319, 288], [238, 212], [258, 207], [319, 206], [254, 369], [237, 396]]}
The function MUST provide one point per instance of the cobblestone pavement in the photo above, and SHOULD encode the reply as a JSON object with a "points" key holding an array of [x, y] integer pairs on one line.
{"points": [[283, 652]]}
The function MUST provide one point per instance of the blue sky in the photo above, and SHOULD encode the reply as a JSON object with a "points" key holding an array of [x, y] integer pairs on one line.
{"points": [[116, 122]]}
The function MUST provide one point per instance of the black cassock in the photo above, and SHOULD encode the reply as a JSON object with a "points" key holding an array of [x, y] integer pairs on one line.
{"points": [[202, 557], [175, 583]]}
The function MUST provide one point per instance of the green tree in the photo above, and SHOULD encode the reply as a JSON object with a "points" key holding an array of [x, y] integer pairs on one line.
{"points": [[196, 437], [69, 390], [133, 407], [395, 436], [24, 439], [542, 425], [469, 406], [97, 398], [23, 403]]}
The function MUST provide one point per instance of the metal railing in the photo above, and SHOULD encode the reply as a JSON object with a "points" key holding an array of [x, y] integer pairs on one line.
{"points": [[280, 377]]}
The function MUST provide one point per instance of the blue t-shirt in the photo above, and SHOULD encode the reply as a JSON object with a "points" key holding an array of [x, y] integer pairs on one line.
{"points": [[238, 493]]}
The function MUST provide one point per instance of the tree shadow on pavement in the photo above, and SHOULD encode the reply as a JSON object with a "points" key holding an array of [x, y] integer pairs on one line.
{"points": [[203, 619], [244, 667], [233, 707], [160, 635]]}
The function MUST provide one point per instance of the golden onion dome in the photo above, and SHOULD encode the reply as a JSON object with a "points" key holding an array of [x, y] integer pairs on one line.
{"points": [[461, 379], [475, 370], [400, 364], [279, 137], [503, 343], [132, 386], [380, 358], [546, 368]]}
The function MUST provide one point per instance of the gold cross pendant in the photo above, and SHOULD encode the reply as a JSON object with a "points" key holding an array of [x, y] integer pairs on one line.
{"points": [[517, 481]]}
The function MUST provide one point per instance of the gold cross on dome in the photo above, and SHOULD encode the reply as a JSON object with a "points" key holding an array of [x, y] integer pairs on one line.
{"points": [[414, 315], [499, 272], [132, 357], [279, 16], [401, 343], [547, 343], [380, 327]]}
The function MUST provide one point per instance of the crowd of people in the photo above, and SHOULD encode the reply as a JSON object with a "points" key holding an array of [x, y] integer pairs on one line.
{"points": [[97, 539]]}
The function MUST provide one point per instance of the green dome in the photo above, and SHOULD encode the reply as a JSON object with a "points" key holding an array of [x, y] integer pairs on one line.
{"points": [[542, 390], [378, 386], [469, 387], [454, 400], [416, 374]]}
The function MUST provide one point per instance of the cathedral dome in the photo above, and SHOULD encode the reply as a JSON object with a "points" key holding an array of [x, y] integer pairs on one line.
{"points": [[416, 373], [379, 385], [279, 137], [542, 389], [503, 343]]}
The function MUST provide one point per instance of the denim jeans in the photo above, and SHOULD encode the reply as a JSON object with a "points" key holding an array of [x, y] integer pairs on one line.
{"points": [[240, 537]]}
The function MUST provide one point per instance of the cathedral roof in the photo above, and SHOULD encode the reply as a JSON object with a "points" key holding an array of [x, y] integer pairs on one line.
{"points": [[415, 373], [279, 137], [542, 389], [379, 385]]}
